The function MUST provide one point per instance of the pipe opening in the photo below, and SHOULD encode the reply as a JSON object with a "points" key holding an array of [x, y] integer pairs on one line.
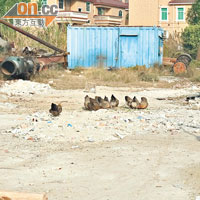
{"points": [[8, 68]]}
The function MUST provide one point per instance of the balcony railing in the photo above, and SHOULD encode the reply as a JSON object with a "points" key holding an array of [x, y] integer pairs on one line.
{"points": [[71, 16], [108, 19]]}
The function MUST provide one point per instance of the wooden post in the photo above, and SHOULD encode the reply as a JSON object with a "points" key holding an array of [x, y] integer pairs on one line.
{"points": [[5, 195]]}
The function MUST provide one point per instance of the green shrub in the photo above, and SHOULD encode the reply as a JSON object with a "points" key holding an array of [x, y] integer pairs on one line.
{"points": [[191, 39]]}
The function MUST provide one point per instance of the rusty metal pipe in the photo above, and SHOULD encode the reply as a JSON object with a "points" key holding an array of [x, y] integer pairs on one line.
{"points": [[31, 36], [15, 66]]}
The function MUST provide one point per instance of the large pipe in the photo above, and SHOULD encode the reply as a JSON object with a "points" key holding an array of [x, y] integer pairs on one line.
{"points": [[31, 36], [16, 66]]}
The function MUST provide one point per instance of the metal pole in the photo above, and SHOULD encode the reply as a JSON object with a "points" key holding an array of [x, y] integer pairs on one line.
{"points": [[31, 36]]}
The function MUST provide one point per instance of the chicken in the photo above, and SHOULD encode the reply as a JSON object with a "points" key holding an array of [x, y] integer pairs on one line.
{"points": [[143, 104], [106, 98], [55, 109], [91, 104], [135, 103], [86, 102], [114, 102], [132, 103], [103, 104], [128, 100]]}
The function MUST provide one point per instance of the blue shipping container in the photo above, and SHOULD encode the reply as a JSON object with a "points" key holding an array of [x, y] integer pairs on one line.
{"points": [[114, 46]]}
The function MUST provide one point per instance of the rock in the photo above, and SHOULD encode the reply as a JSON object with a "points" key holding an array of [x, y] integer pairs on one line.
{"points": [[92, 90], [75, 147], [90, 140]]}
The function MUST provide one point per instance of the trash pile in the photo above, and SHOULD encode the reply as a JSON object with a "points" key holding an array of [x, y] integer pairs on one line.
{"points": [[24, 88], [27, 129], [106, 125]]}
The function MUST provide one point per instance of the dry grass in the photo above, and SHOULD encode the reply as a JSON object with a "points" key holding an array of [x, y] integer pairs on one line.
{"points": [[60, 78], [53, 34], [173, 46], [127, 75], [139, 76], [79, 78], [194, 75]]}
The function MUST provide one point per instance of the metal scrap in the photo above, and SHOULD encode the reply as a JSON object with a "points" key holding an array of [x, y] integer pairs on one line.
{"points": [[31, 60]]}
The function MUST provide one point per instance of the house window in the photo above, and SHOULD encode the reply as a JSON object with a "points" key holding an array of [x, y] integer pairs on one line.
{"points": [[79, 9], [164, 14], [88, 6], [61, 4], [100, 11], [180, 14], [120, 13]]}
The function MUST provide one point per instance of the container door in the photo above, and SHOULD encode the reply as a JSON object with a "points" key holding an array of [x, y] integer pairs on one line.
{"points": [[160, 50], [128, 50]]}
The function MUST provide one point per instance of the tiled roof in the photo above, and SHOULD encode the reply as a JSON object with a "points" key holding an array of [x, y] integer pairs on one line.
{"points": [[182, 2], [112, 3]]}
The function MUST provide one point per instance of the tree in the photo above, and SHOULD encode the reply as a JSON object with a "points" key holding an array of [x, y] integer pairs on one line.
{"points": [[191, 34], [193, 15], [39, 4], [5, 5], [191, 39]]}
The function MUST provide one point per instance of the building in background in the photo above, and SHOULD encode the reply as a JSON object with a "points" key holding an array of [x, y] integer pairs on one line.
{"points": [[170, 15], [91, 12]]}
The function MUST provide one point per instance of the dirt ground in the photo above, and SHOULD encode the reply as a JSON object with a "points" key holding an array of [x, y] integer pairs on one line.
{"points": [[104, 155]]}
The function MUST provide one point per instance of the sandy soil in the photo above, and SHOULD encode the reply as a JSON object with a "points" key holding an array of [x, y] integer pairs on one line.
{"points": [[104, 155]]}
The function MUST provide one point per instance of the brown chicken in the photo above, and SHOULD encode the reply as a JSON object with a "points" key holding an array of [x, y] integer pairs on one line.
{"points": [[55, 109], [128, 101], [106, 99], [135, 103], [143, 104], [131, 103], [114, 102], [103, 104], [91, 104], [86, 102]]}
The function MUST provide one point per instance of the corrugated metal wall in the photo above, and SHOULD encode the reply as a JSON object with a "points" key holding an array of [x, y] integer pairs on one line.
{"points": [[114, 46]]}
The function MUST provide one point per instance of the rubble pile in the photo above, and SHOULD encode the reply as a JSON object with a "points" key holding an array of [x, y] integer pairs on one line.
{"points": [[107, 125], [168, 113], [21, 87]]}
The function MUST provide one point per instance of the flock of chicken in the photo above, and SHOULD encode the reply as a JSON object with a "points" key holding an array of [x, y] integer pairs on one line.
{"points": [[94, 104], [100, 103]]}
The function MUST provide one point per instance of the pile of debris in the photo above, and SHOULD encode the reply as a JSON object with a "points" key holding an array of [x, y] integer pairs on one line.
{"points": [[24, 88]]}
